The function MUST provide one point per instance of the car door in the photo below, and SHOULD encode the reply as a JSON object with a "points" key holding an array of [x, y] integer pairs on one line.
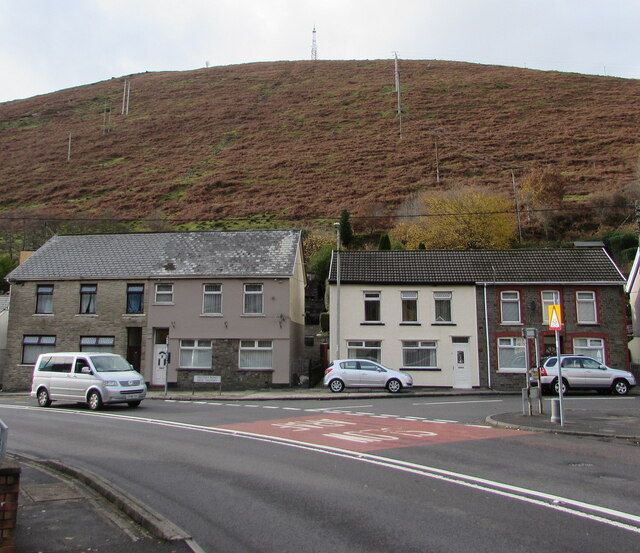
{"points": [[80, 378], [350, 373], [61, 386], [372, 374], [596, 375], [573, 372]]}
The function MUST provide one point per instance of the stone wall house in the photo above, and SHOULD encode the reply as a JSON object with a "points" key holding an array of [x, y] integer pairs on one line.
{"points": [[176, 305], [458, 318]]}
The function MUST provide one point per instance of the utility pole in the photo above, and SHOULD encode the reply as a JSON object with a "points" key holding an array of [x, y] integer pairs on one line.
{"points": [[515, 197], [125, 97], [314, 46], [69, 149], [397, 80]]}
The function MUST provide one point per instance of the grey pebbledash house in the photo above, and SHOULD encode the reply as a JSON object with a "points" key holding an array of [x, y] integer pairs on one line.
{"points": [[456, 318], [219, 303]]}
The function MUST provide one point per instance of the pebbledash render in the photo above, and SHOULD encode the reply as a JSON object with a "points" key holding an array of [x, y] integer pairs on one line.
{"points": [[458, 319], [221, 306]]}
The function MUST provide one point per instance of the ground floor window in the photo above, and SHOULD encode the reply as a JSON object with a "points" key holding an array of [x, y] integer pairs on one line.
{"points": [[511, 354], [419, 354], [591, 347], [195, 354], [365, 349], [32, 346], [102, 344], [256, 354]]}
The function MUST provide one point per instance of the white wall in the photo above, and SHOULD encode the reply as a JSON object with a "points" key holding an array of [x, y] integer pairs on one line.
{"points": [[392, 332]]}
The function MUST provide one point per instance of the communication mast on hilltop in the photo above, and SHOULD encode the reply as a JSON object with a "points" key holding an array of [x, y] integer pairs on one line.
{"points": [[314, 46]]}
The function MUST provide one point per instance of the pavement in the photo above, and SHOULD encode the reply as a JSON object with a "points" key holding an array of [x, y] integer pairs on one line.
{"points": [[63, 509]]}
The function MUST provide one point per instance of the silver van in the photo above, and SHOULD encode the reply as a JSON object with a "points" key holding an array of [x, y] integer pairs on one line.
{"points": [[85, 377]]}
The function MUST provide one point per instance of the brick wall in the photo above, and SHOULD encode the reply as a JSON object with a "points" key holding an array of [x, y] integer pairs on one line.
{"points": [[66, 323], [9, 492]]}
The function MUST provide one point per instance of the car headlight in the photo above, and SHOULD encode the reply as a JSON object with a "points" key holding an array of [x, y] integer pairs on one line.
{"points": [[111, 383]]}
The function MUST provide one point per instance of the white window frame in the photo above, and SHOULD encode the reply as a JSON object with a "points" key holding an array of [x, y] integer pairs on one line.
{"points": [[514, 300], [215, 291], [591, 347], [365, 349], [255, 355], [547, 298], [257, 292], [34, 345], [515, 345], [442, 297], [582, 303], [409, 305], [191, 351], [420, 346], [164, 293], [372, 297]]}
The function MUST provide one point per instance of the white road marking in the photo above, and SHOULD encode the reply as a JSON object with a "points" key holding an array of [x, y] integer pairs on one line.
{"points": [[460, 402], [566, 505], [341, 407]]}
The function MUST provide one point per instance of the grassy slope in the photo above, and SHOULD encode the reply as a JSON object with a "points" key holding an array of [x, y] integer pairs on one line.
{"points": [[305, 139]]}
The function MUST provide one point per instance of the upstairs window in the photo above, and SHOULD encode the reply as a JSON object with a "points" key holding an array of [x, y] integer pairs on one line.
{"points": [[135, 298], [586, 307], [253, 299], [442, 302], [212, 299], [510, 307], [44, 299], [409, 307], [164, 293], [372, 307], [549, 297], [88, 294]]}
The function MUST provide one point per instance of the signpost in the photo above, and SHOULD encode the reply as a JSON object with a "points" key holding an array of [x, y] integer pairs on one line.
{"points": [[206, 379], [555, 323]]}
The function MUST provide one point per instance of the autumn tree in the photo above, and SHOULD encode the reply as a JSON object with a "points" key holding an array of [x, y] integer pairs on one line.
{"points": [[461, 218]]}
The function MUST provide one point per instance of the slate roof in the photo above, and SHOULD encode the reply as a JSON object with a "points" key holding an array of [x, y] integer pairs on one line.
{"points": [[163, 255], [580, 265], [4, 302]]}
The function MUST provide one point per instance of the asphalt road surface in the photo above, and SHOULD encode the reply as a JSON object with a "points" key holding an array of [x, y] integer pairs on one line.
{"points": [[401, 474]]}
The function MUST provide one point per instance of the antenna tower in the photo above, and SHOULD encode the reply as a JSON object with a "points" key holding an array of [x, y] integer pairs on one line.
{"points": [[314, 46]]}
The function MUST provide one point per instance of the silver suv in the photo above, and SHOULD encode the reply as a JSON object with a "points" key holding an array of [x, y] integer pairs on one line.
{"points": [[581, 372]]}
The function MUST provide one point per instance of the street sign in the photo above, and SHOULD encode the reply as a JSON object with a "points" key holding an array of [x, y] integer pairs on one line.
{"points": [[555, 317]]}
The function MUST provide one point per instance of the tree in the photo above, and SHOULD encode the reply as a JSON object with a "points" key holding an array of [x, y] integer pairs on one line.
{"points": [[461, 218], [346, 232], [385, 243], [6, 266]]}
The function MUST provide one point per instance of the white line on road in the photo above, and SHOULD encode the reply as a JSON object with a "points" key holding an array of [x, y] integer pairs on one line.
{"points": [[459, 402], [341, 407], [572, 507]]}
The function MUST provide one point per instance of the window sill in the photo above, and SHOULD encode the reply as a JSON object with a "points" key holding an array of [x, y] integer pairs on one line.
{"points": [[255, 370], [253, 315], [372, 324], [211, 315], [588, 324], [444, 324], [86, 314], [410, 324], [503, 323], [133, 314], [43, 314], [511, 371]]}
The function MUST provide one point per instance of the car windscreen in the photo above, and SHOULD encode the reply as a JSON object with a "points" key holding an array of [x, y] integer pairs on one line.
{"points": [[108, 363]]}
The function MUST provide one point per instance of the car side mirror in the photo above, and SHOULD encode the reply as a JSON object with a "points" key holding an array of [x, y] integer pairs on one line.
{"points": [[85, 370]]}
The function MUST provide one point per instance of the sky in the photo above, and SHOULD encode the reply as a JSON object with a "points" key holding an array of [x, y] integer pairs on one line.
{"points": [[48, 45]]}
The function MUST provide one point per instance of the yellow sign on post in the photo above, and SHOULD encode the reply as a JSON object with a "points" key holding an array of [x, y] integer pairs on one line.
{"points": [[555, 317]]}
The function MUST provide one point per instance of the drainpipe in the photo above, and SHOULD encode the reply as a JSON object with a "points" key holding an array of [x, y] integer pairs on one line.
{"points": [[486, 330]]}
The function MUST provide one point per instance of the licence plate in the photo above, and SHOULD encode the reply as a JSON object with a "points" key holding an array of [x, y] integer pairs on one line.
{"points": [[132, 396]]}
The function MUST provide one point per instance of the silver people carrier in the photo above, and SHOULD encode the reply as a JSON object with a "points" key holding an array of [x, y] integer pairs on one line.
{"points": [[91, 378]]}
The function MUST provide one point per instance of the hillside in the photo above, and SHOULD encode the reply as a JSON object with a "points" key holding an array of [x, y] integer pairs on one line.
{"points": [[302, 140]]}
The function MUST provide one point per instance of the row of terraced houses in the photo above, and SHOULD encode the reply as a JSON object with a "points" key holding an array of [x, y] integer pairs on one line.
{"points": [[232, 304]]}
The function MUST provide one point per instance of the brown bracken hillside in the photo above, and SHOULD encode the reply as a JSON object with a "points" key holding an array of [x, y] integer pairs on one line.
{"points": [[297, 140]]}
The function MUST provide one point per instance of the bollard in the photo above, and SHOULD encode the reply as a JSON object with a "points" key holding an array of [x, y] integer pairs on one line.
{"points": [[555, 410]]}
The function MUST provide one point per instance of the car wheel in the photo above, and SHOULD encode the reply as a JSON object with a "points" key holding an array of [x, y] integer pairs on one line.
{"points": [[620, 387], [556, 387], [134, 404], [94, 401], [336, 385], [43, 398], [394, 385]]}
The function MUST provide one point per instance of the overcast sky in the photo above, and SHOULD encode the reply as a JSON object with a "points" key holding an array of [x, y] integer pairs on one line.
{"points": [[47, 45]]}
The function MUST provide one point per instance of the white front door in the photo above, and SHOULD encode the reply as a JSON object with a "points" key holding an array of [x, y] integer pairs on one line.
{"points": [[461, 366], [159, 377]]}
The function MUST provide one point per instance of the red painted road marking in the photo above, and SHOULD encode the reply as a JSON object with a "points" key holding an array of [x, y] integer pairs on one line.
{"points": [[362, 434]]}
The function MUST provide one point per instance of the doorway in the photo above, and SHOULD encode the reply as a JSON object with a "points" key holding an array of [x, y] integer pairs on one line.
{"points": [[461, 363], [160, 356]]}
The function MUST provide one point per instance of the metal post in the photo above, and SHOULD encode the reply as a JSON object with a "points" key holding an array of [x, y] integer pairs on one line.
{"points": [[337, 225], [559, 357]]}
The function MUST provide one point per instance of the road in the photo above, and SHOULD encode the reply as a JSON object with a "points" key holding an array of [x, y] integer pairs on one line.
{"points": [[400, 474]]}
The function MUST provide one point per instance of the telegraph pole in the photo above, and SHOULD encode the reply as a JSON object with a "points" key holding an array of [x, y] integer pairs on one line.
{"points": [[314, 46]]}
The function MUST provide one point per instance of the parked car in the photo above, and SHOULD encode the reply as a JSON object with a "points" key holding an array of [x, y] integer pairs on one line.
{"points": [[581, 372], [363, 373], [91, 378]]}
